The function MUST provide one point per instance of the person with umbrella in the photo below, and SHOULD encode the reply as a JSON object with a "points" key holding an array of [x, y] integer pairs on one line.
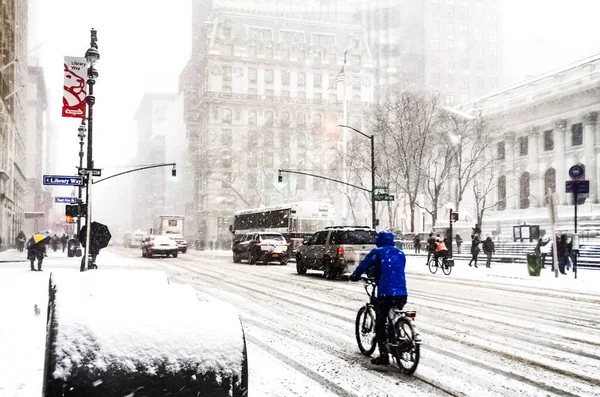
{"points": [[36, 247], [99, 238]]}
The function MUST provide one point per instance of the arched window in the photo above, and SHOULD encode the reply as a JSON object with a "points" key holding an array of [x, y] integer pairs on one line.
{"points": [[285, 119], [524, 190], [317, 120], [301, 119], [502, 193], [268, 118], [226, 116], [252, 117], [549, 183]]}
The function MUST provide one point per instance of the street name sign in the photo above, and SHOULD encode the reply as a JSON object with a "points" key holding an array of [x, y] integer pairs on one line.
{"points": [[583, 188], [92, 171], [384, 197], [62, 180], [65, 200]]}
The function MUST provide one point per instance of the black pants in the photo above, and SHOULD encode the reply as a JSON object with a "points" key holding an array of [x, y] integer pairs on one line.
{"points": [[36, 255], [382, 309], [473, 259]]}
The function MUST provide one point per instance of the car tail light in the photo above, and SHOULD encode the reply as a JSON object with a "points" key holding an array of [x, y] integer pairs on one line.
{"points": [[340, 251], [410, 314], [152, 245], [258, 244]]}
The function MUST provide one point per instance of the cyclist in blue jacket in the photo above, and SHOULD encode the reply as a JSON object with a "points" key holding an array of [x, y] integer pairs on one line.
{"points": [[386, 263]]}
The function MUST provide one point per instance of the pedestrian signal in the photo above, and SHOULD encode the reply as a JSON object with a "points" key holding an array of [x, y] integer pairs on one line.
{"points": [[453, 217], [70, 219]]}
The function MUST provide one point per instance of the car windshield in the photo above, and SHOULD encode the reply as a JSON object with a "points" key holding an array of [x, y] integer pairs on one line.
{"points": [[277, 237], [359, 237]]}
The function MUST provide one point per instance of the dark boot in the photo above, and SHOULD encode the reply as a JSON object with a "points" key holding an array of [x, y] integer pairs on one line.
{"points": [[32, 267], [383, 359]]}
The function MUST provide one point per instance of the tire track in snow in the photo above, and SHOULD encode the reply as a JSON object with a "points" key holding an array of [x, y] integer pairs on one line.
{"points": [[500, 353]]}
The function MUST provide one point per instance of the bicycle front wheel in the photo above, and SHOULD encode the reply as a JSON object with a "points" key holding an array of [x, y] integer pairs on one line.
{"points": [[407, 352], [433, 268], [365, 330]]}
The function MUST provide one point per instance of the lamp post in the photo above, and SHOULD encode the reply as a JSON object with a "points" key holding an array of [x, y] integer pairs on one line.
{"points": [[92, 56], [372, 138], [81, 134]]}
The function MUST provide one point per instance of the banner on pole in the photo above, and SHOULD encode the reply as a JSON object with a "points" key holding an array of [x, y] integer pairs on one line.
{"points": [[74, 92]]}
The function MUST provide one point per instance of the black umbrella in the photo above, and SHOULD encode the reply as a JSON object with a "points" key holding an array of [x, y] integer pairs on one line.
{"points": [[99, 236]]}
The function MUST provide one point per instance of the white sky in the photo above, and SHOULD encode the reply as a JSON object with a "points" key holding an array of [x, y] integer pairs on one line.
{"points": [[144, 45]]}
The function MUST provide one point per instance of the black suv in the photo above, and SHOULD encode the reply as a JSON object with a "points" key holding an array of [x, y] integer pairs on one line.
{"points": [[336, 250], [266, 247]]}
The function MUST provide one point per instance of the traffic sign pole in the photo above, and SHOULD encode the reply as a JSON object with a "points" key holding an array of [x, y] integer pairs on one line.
{"points": [[574, 254]]}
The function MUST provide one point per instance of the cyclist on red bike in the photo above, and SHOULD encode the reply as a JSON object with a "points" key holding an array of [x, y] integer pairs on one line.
{"points": [[386, 264]]}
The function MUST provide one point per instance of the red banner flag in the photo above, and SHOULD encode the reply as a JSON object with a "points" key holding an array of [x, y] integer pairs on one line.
{"points": [[74, 92]]}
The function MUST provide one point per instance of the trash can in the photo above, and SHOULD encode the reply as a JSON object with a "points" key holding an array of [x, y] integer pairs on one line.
{"points": [[71, 247], [116, 333], [534, 264]]}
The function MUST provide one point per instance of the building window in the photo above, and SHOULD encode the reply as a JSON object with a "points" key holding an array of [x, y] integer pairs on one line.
{"points": [[227, 32], [450, 45], [465, 82], [285, 93], [285, 119], [226, 119], [252, 75], [301, 95], [300, 182], [226, 137], [356, 44], [479, 66], [435, 80], [465, 64], [501, 151], [450, 63], [434, 44], [450, 29], [464, 31], [449, 99], [576, 134], [226, 73], [450, 81], [252, 91], [301, 120], [285, 78], [549, 183], [269, 93], [268, 118], [479, 33], [252, 117], [355, 60], [464, 12], [301, 79], [318, 96], [524, 190], [493, 50], [331, 58], [332, 98], [317, 80], [502, 193], [464, 98], [523, 145], [450, 11], [268, 160], [479, 48], [548, 140], [268, 76]]}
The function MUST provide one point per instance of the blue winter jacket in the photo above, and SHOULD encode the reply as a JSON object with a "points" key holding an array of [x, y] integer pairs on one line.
{"points": [[388, 264]]}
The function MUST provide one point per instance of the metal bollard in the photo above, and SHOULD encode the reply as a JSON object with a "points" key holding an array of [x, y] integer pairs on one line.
{"points": [[137, 335]]}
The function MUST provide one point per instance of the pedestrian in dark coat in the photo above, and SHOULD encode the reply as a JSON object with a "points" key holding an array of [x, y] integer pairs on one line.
{"points": [[417, 244], [474, 250], [431, 244], [35, 251], [563, 252], [63, 241], [459, 242], [488, 250]]}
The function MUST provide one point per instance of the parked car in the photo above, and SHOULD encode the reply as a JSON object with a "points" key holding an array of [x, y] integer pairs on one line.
{"points": [[180, 241], [266, 247], [159, 245], [336, 250]]}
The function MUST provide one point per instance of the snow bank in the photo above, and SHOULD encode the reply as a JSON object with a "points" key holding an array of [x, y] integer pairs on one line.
{"points": [[111, 333]]}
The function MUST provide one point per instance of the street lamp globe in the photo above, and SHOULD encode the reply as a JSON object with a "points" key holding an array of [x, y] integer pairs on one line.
{"points": [[92, 55], [450, 206], [81, 131]]}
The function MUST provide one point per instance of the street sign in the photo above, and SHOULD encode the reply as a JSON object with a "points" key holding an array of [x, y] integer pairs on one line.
{"points": [[384, 197], [381, 188], [93, 171], [61, 180], [65, 200], [577, 172], [583, 188]]}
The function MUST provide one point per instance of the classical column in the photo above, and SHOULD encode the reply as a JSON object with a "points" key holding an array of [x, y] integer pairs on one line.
{"points": [[560, 143], [535, 174], [589, 142], [512, 175]]}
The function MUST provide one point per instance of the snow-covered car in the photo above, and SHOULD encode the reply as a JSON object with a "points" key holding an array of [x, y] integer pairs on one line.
{"points": [[266, 247], [159, 245], [180, 241]]}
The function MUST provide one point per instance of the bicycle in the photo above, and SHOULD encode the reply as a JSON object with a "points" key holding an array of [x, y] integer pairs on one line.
{"points": [[446, 265], [403, 341]]}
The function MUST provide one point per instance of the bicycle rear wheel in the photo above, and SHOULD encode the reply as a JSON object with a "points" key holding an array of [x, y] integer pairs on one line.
{"points": [[446, 268], [407, 351], [365, 330], [432, 265]]}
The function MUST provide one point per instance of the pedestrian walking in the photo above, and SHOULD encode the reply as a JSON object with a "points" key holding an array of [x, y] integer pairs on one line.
{"points": [[488, 250], [36, 248], [20, 240], [563, 252], [417, 243], [474, 250], [54, 243], [459, 242], [63, 241]]}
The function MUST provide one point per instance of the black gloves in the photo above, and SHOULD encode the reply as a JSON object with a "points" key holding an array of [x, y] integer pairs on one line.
{"points": [[354, 278]]}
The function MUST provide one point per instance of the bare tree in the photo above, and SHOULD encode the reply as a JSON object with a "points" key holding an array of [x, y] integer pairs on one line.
{"points": [[472, 136], [404, 125]]}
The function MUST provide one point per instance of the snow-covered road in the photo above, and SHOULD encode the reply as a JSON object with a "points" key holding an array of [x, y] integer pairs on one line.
{"points": [[480, 337], [484, 333]]}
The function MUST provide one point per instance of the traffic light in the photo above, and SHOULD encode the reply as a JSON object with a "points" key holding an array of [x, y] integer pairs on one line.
{"points": [[279, 178], [453, 217], [173, 172], [70, 219]]}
